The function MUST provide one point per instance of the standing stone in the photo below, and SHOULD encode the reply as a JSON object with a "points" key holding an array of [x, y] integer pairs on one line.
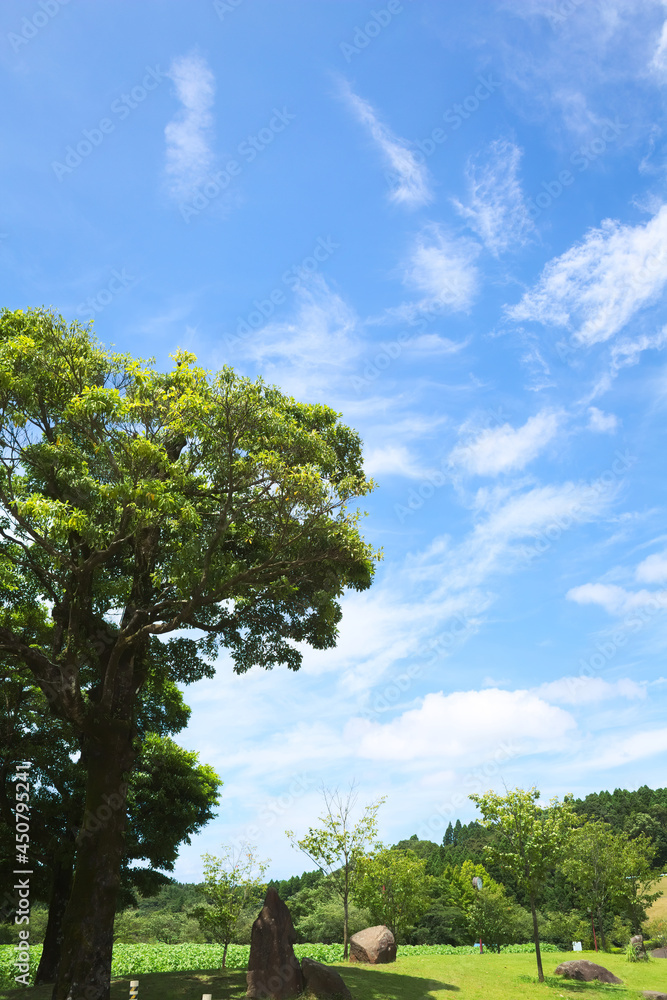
{"points": [[375, 945], [273, 968]]}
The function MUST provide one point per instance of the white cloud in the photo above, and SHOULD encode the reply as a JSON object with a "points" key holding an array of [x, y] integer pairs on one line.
{"points": [[393, 460], [631, 748], [616, 600], [411, 185], [585, 690], [303, 354], [189, 156], [653, 569], [658, 63], [444, 270], [504, 449], [496, 209], [598, 285], [433, 343], [464, 726], [601, 423]]}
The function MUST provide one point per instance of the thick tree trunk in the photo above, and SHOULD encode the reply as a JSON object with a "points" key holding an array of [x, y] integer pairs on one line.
{"points": [[84, 971], [53, 939], [536, 939]]}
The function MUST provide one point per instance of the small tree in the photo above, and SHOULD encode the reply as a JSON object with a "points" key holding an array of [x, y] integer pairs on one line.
{"points": [[529, 841], [231, 882], [336, 846], [394, 886]]}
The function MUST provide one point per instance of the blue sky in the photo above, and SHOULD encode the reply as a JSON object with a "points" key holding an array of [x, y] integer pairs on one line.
{"points": [[449, 222]]}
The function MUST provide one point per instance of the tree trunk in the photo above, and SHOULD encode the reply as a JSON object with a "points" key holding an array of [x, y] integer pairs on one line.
{"points": [[84, 972], [224, 954], [603, 940], [536, 938], [345, 927], [60, 892]]}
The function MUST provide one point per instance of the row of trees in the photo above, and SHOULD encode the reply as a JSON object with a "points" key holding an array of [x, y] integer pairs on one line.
{"points": [[607, 873], [135, 504]]}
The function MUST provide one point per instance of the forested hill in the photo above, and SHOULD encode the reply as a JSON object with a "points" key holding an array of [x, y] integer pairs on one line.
{"points": [[642, 811]]}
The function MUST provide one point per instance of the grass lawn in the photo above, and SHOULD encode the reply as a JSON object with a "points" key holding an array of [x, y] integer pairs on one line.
{"points": [[475, 977], [659, 908]]}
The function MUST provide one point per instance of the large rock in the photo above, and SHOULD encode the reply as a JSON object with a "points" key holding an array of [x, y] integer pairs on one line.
{"points": [[375, 945], [273, 968], [659, 953], [652, 995], [322, 981], [586, 971]]}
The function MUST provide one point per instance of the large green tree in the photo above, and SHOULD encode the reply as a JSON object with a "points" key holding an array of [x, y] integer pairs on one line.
{"points": [[529, 841], [337, 845], [394, 886], [157, 502]]}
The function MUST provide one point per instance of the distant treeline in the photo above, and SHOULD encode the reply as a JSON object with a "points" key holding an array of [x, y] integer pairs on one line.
{"points": [[317, 911]]}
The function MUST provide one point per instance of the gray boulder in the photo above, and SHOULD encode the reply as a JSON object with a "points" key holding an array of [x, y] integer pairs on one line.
{"points": [[322, 981], [586, 971], [659, 953], [273, 968], [374, 945], [652, 995]]}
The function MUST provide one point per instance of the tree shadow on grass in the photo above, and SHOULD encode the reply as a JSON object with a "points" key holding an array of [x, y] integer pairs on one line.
{"points": [[578, 986], [228, 985], [370, 984]]}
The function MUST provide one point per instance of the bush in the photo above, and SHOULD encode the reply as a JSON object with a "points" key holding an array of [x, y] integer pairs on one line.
{"points": [[656, 931]]}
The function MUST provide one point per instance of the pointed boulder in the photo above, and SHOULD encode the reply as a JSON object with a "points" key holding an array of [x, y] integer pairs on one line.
{"points": [[273, 968]]}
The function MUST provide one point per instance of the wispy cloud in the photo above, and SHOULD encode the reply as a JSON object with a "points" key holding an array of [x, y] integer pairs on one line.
{"points": [[616, 600], [601, 423], [505, 449], [411, 179], [189, 156], [586, 690], [496, 210], [597, 286], [443, 269]]}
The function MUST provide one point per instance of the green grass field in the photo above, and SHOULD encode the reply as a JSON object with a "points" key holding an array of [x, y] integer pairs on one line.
{"points": [[475, 977], [659, 908]]}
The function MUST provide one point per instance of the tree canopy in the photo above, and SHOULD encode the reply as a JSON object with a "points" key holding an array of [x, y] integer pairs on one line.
{"points": [[136, 503]]}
